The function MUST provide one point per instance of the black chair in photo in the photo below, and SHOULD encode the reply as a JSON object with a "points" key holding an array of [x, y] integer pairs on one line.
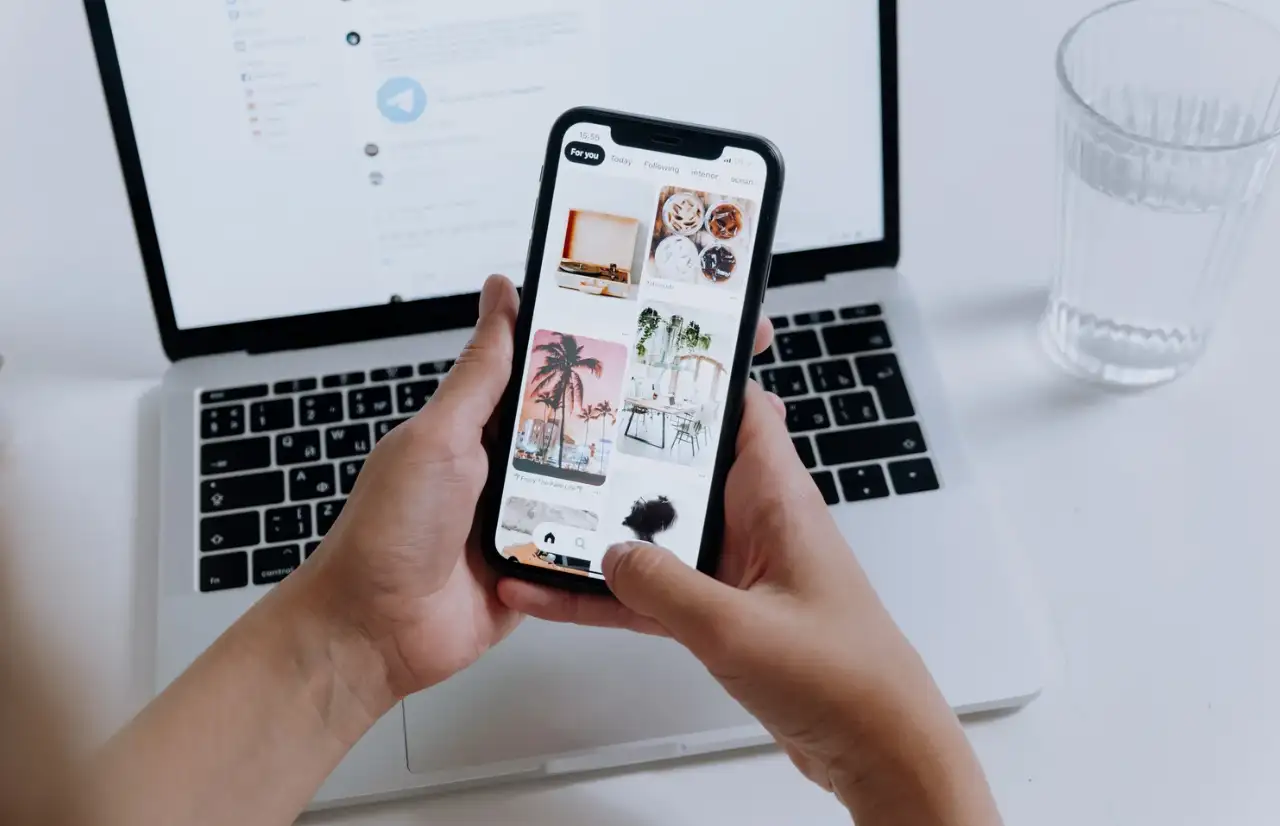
{"points": [[687, 430]]}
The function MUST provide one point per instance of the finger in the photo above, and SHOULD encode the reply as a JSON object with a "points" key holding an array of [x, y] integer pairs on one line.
{"points": [[654, 583], [778, 405], [764, 335], [554, 605], [476, 383], [764, 426]]}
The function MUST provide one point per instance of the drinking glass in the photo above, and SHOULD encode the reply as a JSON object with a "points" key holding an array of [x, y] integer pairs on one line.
{"points": [[1168, 124]]}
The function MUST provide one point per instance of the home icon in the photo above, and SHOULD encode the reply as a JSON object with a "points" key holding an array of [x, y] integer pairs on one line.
{"points": [[549, 539]]}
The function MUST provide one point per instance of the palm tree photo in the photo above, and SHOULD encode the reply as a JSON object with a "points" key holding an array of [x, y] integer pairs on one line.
{"points": [[552, 404], [604, 410], [559, 377]]}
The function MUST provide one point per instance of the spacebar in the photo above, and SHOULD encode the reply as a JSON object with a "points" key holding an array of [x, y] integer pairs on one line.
{"points": [[867, 444]]}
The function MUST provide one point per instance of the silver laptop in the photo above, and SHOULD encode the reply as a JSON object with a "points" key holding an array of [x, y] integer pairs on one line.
{"points": [[319, 190]]}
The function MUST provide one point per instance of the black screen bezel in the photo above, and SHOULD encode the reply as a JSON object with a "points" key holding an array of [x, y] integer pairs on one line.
{"points": [[655, 135], [452, 312]]}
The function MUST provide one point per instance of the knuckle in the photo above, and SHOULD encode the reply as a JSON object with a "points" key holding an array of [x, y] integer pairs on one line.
{"points": [[451, 448]]}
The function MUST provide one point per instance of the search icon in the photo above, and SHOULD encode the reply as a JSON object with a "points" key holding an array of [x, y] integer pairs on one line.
{"points": [[558, 539]]}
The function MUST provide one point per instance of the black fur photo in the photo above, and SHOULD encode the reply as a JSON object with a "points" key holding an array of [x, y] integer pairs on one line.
{"points": [[650, 517]]}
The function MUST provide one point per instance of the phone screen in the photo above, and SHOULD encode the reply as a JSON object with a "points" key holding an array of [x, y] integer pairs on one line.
{"points": [[640, 299]]}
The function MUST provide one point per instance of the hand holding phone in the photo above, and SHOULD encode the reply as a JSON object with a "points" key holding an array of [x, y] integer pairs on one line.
{"points": [[647, 268]]}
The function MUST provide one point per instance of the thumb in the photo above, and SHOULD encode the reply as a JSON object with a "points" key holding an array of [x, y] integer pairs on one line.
{"points": [[653, 582], [474, 387]]}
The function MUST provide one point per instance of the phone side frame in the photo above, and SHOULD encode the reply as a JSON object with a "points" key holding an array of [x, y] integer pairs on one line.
{"points": [[753, 300]]}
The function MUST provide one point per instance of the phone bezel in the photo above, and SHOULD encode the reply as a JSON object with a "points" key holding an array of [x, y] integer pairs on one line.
{"points": [[641, 132]]}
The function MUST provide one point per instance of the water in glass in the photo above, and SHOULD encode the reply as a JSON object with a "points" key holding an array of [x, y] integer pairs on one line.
{"points": [[1169, 123]]}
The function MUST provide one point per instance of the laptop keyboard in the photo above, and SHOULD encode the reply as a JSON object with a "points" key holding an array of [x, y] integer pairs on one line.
{"points": [[848, 408], [278, 461]]}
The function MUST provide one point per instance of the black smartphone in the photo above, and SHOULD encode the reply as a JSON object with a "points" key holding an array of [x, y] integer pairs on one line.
{"points": [[647, 270]]}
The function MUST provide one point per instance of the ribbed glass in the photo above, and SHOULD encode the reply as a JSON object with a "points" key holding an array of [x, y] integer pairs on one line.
{"points": [[1168, 126]]}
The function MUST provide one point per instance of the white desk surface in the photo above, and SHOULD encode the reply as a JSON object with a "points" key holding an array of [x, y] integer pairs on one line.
{"points": [[1148, 519]]}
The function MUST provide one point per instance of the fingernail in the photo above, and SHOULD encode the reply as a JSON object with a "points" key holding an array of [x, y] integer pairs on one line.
{"points": [[488, 295], [778, 404]]}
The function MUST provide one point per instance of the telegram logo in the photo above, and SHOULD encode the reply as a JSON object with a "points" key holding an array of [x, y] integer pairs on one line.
{"points": [[402, 100]]}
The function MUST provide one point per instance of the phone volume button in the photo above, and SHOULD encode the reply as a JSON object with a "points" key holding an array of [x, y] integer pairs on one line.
{"points": [[764, 294]]}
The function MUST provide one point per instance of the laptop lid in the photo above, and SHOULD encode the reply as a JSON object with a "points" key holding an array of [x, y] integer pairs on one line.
{"points": [[306, 173]]}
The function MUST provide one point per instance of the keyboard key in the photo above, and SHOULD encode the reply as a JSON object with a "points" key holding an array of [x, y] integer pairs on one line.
{"points": [[435, 368], [235, 493], [863, 483], [235, 530], [868, 444], [343, 380], [806, 415], [224, 572], [370, 403], [856, 338], [915, 476], [315, 482], [785, 381], [384, 427], [272, 565], [804, 448], [312, 547], [295, 386], [346, 441], [323, 409], [326, 514], [798, 346], [276, 414], [348, 473], [235, 456], [865, 311], [298, 448], [780, 322], [414, 395], [233, 394], [827, 484], [819, 317], [217, 422], [391, 373], [854, 408], [829, 376], [288, 524], [882, 373], [764, 359]]}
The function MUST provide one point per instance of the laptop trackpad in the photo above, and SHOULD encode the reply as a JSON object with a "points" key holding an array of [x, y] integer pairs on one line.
{"points": [[552, 690]]}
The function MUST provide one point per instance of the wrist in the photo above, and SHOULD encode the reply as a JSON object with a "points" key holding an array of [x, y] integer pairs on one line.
{"points": [[347, 677], [910, 760]]}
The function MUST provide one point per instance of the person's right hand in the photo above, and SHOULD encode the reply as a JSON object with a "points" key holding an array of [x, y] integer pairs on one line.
{"points": [[794, 631]]}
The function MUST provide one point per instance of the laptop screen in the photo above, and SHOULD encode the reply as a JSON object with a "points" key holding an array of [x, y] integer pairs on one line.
{"points": [[306, 156]]}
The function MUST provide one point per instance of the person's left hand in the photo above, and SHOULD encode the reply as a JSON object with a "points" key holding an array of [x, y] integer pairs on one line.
{"points": [[401, 565]]}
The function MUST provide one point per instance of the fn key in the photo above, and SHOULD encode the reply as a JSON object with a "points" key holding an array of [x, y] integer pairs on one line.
{"points": [[225, 572]]}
